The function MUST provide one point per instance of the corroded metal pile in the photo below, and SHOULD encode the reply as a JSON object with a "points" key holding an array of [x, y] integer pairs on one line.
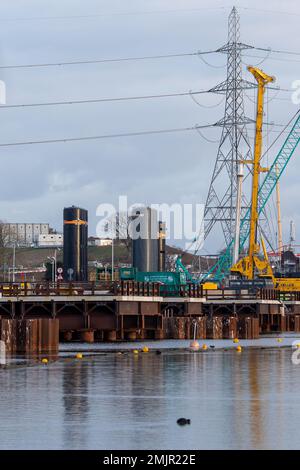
{"points": [[217, 327], [30, 336]]}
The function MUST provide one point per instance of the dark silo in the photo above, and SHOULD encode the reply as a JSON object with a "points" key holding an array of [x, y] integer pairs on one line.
{"points": [[75, 244], [161, 246], [145, 240]]}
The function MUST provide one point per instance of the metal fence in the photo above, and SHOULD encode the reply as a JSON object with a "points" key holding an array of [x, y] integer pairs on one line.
{"points": [[79, 288], [143, 289]]}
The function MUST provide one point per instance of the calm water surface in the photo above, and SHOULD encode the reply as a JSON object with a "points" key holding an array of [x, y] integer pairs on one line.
{"points": [[240, 401]]}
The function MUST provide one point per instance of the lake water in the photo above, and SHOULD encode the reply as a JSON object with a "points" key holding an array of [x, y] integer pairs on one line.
{"points": [[107, 400]]}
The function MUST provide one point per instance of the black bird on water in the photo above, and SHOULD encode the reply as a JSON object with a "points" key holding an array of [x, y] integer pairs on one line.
{"points": [[183, 421]]}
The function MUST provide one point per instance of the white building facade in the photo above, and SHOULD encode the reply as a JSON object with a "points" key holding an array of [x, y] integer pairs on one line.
{"points": [[23, 234]]}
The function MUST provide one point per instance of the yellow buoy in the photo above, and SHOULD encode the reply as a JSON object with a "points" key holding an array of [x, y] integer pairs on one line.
{"points": [[194, 346], [45, 360], [239, 348], [279, 340], [236, 340], [204, 347], [79, 356], [135, 351], [298, 345], [145, 349]]}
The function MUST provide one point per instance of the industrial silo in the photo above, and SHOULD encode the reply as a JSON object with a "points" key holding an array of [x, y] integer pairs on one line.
{"points": [[145, 239], [75, 244], [161, 246]]}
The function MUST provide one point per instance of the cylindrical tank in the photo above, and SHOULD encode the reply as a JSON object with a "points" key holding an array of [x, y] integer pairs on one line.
{"points": [[145, 240], [161, 246], [75, 244]]}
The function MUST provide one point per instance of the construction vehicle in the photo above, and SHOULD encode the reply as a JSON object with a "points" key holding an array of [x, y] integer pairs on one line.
{"points": [[170, 281], [180, 267], [248, 265], [252, 265]]}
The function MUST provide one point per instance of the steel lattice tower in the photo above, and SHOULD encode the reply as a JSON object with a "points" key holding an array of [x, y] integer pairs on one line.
{"points": [[234, 144]]}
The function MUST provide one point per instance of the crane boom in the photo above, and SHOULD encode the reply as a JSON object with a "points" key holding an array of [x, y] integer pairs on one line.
{"points": [[246, 265]]}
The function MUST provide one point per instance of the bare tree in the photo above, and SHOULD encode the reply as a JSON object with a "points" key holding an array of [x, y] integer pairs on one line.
{"points": [[122, 229], [117, 226], [4, 235], [7, 239]]}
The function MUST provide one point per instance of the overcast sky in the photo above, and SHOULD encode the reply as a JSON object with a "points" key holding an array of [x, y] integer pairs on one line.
{"points": [[38, 181]]}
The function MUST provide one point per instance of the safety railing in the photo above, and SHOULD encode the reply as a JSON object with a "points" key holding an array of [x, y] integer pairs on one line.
{"points": [[102, 288], [143, 289]]}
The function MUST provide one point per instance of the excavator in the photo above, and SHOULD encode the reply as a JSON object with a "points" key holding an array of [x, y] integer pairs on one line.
{"points": [[253, 266]]}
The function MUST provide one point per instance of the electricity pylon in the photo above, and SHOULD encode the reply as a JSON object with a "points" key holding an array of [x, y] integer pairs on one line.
{"points": [[234, 144]]}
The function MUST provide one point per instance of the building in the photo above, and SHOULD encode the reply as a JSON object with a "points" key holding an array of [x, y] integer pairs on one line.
{"points": [[75, 244], [50, 240], [95, 241], [23, 234]]}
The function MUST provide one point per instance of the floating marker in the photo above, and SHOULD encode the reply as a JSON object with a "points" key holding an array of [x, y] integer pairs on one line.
{"points": [[236, 340], [239, 348], [145, 349], [45, 360], [194, 346], [79, 356], [204, 347]]}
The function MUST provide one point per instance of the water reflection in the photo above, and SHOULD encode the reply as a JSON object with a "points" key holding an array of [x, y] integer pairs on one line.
{"points": [[240, 401], [75, 383]]}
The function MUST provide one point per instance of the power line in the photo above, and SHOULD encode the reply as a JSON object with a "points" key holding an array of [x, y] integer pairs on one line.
{"points": [[103, 61], [281, 59], [102, 100], [121, 98], [276, 51], [106, 136], [99, 15], [138, 58], [125, 134], [280, 12], [285, 127]]}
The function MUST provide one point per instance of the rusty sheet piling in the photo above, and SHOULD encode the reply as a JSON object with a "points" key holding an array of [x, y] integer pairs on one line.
{"points": [[229, 327], [248, 328], [32, 336], [214, 327]]}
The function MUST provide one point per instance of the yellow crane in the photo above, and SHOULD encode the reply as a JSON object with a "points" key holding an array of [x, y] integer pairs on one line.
{"points": [[247, 265], [252, 265]]}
